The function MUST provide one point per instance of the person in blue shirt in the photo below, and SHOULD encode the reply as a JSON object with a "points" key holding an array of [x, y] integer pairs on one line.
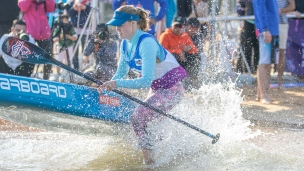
{"points": [[156, 68], [267, 22], [147, 5]]}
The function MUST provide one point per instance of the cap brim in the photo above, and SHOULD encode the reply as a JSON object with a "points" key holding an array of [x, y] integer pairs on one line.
{"points": [[194, 25], [174, 23], [116, 22]]}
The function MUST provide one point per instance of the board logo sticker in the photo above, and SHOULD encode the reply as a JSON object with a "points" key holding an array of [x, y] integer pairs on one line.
{"points": [[19, 50], [111, 101]]}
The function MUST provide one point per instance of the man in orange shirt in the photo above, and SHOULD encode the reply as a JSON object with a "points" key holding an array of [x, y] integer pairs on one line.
{"points": [[180, 44]]}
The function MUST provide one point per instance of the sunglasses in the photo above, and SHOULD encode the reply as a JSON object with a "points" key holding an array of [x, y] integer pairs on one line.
{"points": [[178, 26]]}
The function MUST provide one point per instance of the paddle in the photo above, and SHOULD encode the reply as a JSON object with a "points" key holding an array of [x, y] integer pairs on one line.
{"points": [[30, 53]]}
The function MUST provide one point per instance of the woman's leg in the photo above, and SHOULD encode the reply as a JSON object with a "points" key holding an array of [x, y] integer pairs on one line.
{"points": [[164, 99]]}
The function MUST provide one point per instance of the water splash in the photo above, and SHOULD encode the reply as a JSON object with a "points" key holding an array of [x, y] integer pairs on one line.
{"points": [[214, 108]]}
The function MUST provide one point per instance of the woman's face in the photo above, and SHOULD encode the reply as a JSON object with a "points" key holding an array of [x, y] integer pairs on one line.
{"points": [[125, 31]]}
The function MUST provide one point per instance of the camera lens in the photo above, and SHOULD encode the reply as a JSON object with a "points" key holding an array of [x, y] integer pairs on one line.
{"points": [[23, 36], [102, 35]]}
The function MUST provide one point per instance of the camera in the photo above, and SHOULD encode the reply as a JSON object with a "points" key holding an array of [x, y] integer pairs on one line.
{"points": [[102, 32], [23, 36], [67, 27], [102, 35], [62, 6]]}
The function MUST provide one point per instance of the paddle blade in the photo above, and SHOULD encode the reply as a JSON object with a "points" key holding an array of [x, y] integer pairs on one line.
{"points": [[24, 51]]}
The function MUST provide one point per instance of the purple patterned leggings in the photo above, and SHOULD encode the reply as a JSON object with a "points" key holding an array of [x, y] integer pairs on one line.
{"points": [[163, 99]]}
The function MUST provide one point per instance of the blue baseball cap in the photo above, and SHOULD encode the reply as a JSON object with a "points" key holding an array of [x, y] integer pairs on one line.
{"points": [[120, 18]]}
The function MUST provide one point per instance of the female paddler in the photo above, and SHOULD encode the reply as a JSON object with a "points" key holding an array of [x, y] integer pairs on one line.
{"points": [[157, 69]]}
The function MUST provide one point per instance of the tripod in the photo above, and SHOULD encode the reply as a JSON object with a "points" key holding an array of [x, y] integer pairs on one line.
{"points": [[94, 17], [64, 29]]}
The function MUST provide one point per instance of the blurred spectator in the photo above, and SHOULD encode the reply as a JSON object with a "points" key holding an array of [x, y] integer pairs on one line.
{"points": [[184, 8], [180, 45], [249, 42], [295, 42], [147, 5], [65, 34], [193, 30], [9, 11], [200, 10], [79, 12], [9, 65], [104, 51], [284, 6], [267, 22], [34, 14], [170, 12], [241, 7]]}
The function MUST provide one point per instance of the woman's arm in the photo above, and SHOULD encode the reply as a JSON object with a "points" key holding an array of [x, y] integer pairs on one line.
{"points": [[147, 50], [24, 5], [123, 67], [122, 71]]}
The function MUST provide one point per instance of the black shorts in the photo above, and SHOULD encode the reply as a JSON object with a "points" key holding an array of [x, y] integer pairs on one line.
{"points": [[193, 64]]}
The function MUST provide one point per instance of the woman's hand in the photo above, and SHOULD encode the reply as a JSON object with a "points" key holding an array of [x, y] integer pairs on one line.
{"points": [[109, 86]]}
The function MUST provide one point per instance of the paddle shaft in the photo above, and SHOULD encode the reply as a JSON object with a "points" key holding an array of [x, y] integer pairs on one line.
{"points": [[130, 97]]}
